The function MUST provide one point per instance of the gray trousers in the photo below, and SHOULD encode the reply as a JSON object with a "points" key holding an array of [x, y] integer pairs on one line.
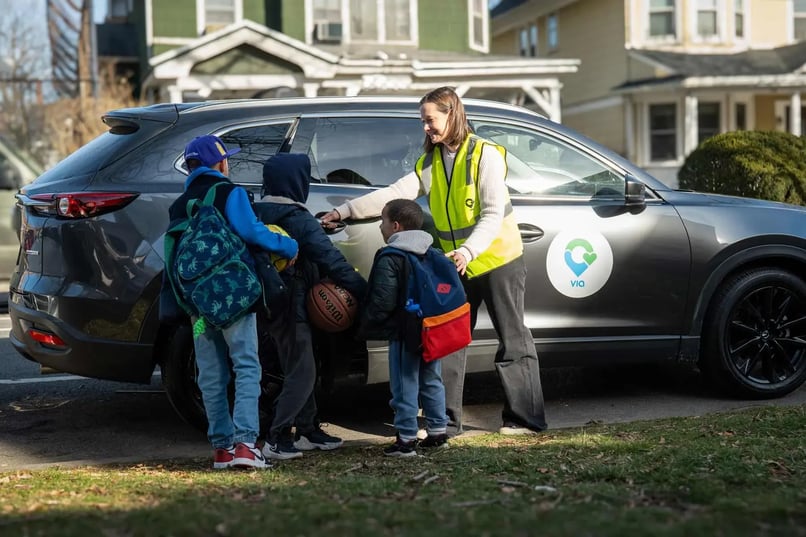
{"points": [[502, 291], [296, 404]]}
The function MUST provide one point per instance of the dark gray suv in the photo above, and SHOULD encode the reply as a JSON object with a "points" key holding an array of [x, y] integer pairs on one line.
{"points": [[621, 267]]}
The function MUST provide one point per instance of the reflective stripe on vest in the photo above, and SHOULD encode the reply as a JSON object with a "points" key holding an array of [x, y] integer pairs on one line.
{"points": [[455, 205]]}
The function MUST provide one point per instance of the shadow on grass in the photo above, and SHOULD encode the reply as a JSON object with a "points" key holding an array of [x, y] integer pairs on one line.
{"points": [[733, 474]]}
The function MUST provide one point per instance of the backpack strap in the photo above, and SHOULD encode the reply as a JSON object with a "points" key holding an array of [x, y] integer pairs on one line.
{"points": [[403, 291]]}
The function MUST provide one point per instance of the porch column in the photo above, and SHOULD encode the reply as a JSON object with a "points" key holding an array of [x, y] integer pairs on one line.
{"points": [[311, 89], [794, 114], [629, 129], [174, 94], [556, 108], [690, 125]]}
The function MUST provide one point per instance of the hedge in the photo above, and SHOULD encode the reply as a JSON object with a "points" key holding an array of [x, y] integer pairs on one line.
{"points": [[753, 164]]}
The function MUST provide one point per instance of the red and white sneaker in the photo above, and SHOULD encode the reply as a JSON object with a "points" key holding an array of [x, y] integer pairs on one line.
{"points": [[223, 458], [249, 457]]}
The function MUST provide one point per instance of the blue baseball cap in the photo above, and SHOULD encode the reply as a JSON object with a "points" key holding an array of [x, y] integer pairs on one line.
{"points": [[208, 149]]}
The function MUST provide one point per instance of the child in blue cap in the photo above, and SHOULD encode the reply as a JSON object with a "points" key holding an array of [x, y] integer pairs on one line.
{"points": [[232, 435]]}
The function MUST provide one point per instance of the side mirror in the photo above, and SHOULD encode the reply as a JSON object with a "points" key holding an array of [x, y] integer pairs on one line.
{"points": [[634, 192]]}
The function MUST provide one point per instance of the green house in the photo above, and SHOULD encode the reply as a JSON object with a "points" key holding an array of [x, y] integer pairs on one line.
{"points": [[193, 50]]}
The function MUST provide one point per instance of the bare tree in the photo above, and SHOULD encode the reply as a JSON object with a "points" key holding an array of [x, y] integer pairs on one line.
{"points": [[50, 101], [75, 121], [24, 72]]}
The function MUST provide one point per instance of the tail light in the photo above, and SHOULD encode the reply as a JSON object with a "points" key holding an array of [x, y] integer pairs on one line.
{"points": [[81, 204]]}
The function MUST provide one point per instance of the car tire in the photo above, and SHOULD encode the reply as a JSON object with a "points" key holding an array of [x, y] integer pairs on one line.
{"points": [[179, 378], [179, 381], [750, 345]]}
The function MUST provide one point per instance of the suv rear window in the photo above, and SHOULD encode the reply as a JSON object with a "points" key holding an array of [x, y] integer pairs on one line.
{"points": [[101, 152]]}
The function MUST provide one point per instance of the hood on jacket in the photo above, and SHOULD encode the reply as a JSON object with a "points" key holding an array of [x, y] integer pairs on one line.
{"points": [[287, 175], [415, 241]]}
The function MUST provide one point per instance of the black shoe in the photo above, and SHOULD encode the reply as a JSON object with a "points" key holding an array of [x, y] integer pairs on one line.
{"points": [[281, 447], [316, 439], [514, 428], [434, 441], [401, 449]]}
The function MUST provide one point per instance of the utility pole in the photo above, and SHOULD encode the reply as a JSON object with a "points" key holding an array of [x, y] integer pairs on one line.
{"points": [[86, 75]]}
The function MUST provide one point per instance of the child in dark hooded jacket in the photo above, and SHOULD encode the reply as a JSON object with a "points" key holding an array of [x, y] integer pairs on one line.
{"points": [[286, 179]]}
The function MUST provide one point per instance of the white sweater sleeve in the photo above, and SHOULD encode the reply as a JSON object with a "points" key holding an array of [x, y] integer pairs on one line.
{"points": [[371, 205], [494, 196]]}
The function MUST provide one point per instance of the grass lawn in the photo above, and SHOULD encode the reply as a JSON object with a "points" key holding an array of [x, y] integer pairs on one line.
{"points": [[728, 474]]}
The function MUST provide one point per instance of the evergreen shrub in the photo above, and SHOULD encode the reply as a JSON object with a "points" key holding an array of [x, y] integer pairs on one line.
{"points": [[752, 164]]}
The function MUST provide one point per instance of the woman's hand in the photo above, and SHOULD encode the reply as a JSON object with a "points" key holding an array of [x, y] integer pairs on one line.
{"points": [[459, 260], [329, 219]]}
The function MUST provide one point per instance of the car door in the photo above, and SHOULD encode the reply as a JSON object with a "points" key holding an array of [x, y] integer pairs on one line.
{"points": [[603, 277], [352, 154]]}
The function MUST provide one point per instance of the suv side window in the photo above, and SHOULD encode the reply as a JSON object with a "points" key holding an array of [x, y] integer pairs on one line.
{"points": [[257, 143], [540, 166], [372, 151]]}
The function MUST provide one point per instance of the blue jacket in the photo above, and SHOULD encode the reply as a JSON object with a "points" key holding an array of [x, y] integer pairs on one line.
{"points": [[286, 177], [233, 202]]}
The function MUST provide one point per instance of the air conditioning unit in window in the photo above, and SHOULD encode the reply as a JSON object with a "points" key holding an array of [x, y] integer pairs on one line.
{"points": [[327, 31]]}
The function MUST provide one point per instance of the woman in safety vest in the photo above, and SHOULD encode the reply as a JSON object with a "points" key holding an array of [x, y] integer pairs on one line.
{"points": [[463, 177]]}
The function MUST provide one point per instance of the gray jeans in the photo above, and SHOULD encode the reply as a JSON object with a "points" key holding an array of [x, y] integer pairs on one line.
{"points": [[296, 404], [502, 291]]}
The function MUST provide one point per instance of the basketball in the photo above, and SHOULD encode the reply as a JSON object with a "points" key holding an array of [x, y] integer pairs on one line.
{"points": [[331, 308], [279, 262]]}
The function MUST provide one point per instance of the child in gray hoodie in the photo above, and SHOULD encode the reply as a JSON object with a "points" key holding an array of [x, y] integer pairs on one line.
{"points": [[411, 378]]}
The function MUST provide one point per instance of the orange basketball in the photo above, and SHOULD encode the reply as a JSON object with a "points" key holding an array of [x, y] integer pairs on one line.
{"points": [[331, 308]]}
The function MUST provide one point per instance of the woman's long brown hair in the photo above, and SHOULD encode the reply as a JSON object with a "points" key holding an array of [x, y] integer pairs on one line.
{"points": [[449, 103]]}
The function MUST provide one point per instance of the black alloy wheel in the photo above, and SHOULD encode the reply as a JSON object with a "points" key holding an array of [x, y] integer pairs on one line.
{"points": [[179, 375], [755, 336]]}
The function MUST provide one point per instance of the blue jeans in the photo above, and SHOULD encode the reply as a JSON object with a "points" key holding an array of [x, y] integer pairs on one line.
{"points": [[239, 341], [411, 379]]}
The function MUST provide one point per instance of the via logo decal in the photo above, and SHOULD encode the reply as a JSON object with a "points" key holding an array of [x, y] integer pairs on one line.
{"points": [[579, 262]]}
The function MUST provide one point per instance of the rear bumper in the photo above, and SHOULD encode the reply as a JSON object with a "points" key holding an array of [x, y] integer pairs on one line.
{"points": [[83, 354]]}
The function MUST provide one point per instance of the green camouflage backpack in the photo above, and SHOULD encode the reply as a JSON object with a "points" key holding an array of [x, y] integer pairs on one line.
{"points": [[210, 268]]}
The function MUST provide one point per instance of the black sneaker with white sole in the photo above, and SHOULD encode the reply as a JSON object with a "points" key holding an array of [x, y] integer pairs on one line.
{"points": [[434, 441], [401, 448], [513, 428], [316, 439]]}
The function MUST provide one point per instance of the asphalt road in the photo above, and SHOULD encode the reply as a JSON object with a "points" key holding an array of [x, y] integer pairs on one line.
{"points": [[64, 420]]}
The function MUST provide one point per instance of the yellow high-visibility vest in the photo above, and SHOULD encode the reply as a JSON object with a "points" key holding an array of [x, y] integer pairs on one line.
{"points": [[455, 205]]}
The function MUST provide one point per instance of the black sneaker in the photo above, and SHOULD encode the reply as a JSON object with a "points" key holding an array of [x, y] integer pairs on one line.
{"points": [[434, 441], [316, 439], [513, 428], [281, 448], [401, 449]]}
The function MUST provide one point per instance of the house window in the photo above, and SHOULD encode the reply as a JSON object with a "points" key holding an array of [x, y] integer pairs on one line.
{"points": [[119, 8], [381, 20], [398, 20], [707, 17], [661, 18], [741, 117], [528, 41], [478, 24], [708, 121], [662, 132], [219, 12], [325, 11], [738, 18], [800, 19], [524, 42], [553, 37]]}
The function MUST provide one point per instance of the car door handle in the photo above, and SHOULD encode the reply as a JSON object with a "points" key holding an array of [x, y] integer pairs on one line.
{"points": [[530, 233], [332, 227]]}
